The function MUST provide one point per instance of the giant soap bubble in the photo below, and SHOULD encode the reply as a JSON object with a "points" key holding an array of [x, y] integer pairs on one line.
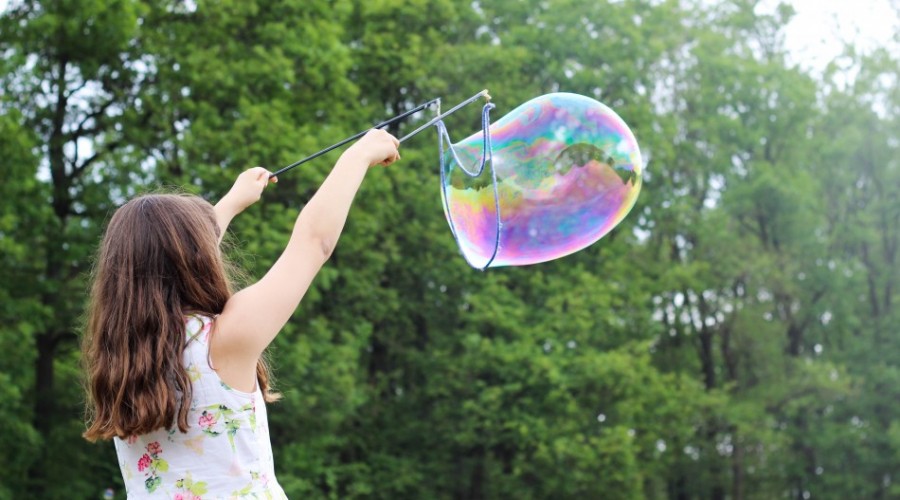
{"points": [[562, 169]]}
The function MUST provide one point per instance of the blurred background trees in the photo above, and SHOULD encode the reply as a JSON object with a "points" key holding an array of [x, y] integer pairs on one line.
{"points": [[733, 338]]}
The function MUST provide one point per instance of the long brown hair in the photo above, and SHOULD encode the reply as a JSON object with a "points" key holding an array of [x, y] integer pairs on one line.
{"points": [[159, 261]]}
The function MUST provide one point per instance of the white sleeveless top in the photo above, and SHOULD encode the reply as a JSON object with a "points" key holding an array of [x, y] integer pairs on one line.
{"points": [[226, 452]]}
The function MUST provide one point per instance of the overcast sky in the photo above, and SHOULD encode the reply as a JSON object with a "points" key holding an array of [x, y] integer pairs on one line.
{"points": [[817, 34]]}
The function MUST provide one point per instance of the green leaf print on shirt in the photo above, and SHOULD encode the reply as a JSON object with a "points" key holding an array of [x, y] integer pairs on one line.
{"points": [[187, 485], [256, 480], [252, 418], [243, 492], [193, 372], [220, 419], [152, 483]]}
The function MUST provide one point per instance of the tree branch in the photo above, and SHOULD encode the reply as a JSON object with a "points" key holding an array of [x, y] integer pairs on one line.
{"points": [[81, 130], [84, 82], [78, 170]]}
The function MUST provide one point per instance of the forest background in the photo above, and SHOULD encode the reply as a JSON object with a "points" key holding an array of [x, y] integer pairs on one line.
{"points": [[732, 338]]}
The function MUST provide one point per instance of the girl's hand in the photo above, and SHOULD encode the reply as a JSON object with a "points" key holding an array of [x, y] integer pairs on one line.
{"points": [[248, 189], [377, 147]]}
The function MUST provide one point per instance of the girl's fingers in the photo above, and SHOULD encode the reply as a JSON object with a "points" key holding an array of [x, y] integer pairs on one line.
{"points": [[391, 159], [263, 176]]}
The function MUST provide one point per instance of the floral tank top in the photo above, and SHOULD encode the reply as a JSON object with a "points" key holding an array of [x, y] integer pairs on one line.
{"points": [[226, 452]]}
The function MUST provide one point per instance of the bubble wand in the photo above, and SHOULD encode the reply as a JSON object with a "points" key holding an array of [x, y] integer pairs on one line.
{"points": [[432, 122]]}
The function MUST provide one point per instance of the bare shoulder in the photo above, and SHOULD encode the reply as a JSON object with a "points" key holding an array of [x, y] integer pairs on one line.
{"points": [[231, 354]]}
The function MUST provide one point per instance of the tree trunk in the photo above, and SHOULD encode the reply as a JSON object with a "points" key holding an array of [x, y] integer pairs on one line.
{"points": [[476, 479], [47, 341], [737, 468], [706, 359]]}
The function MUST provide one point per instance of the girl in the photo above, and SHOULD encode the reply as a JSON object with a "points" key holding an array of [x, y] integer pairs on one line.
{"points": [[175, 374]]}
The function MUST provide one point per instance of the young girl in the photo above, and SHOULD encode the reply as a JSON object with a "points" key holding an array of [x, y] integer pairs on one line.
{"points": [[175, 374]]}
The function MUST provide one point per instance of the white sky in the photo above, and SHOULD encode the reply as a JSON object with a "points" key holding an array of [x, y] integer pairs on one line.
{"points": [[819, 30], [817, 33]]}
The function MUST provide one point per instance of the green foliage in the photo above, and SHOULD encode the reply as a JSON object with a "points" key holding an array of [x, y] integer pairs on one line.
{"points": [[732, 338]]}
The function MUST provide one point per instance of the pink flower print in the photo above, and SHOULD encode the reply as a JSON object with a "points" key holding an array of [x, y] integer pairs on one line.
{"points": [[131, 439], [144, 462], [179, 496], [207, 420], [154, 448], [207, 329]]}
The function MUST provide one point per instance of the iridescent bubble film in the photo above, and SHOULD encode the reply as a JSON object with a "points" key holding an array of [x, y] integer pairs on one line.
{"points": [[568, 170]]}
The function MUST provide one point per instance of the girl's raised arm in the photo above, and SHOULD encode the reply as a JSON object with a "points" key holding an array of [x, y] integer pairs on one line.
{"points": [[254, 316]]}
